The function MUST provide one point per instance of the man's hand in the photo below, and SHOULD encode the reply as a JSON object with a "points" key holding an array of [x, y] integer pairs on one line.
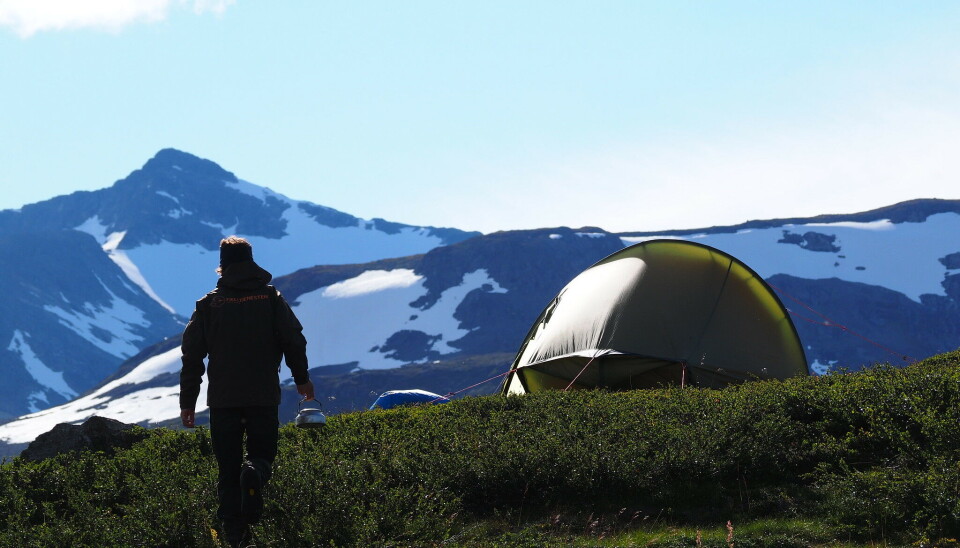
{"points": [[306, 390], [187, 416]]}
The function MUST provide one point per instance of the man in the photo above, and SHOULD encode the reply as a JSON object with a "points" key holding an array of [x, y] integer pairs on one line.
{"points": [[246, 328]]}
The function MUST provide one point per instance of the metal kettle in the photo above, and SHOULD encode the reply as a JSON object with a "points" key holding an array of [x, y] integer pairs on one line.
{"points": [[310, 417]]}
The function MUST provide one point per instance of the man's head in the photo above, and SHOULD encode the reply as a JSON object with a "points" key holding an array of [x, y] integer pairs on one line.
{"points": [[234, 250]]}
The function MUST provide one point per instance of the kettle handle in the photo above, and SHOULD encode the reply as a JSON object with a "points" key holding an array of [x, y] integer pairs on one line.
{"points": [[300, 405]]}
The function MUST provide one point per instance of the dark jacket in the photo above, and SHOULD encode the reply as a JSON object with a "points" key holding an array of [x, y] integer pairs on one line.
{"points": [[246, 328]]}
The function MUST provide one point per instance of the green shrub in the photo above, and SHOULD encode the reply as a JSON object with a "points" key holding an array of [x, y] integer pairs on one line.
{"points": [[874, 455]]}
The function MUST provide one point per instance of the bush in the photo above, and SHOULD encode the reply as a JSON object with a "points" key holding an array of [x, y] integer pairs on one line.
{"points": [[874, 454]]}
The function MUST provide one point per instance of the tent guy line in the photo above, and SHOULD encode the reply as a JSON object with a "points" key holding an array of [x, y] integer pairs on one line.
{"points": [[827, 322], [567, 389], [451, 394]]}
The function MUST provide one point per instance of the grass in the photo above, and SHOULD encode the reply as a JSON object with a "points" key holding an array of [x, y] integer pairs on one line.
{"points": [[864, 459]]}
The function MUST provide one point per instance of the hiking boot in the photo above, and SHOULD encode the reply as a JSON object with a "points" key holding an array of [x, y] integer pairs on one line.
{"points": [[247, 540], [251, 494], [237, 535]]}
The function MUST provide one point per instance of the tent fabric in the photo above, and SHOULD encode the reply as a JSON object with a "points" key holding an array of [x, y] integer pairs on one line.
{"points": [[394, 398], [659, 313]]}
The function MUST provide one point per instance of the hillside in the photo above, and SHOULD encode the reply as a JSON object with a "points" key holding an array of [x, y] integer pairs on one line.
{"points": [[867, 457]]}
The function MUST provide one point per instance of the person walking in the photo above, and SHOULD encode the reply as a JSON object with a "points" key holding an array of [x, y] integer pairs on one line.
{"points": [[244, 328]]}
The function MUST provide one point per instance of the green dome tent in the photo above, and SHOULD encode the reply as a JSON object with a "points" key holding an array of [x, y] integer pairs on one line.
{"points": [[661, 312]]}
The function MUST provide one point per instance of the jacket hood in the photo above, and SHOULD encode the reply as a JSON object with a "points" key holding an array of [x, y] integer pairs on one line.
{"points": [[245, 275]]}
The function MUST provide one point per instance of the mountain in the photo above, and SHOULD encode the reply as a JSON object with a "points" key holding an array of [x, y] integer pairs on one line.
{"points": [[878, 286], [68, 317], [162, 225], [94, 277], [100, 284]]}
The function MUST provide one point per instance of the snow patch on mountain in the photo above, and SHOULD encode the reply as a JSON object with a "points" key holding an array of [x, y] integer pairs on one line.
{"points": [[177, 212], [194, 274], [129, 399], [110, 244], [44, 376], [363, 312], [820, 368], [865, 255], [94, 226], [882, 224], [259, 192], [306, 243], [168, 195], [372, 281], [108, 328], [130, 269]]}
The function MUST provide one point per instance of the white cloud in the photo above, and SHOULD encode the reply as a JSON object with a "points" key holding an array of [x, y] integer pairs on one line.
{"points": [[27, 17]]}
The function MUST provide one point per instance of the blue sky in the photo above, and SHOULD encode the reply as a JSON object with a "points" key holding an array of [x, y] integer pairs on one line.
{"points": [[495, 115]]}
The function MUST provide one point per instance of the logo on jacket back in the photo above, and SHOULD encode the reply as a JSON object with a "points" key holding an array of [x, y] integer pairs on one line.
{"points": [[219, 301]]}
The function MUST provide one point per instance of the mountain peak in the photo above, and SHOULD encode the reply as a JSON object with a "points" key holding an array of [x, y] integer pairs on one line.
{"points": [[171, 159]]}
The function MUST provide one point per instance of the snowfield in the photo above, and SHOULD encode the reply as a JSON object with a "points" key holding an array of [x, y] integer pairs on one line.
{"points": [[349, 321], [52, 380], [176, 275], [864, 256], [149, 404], [343, 322]]}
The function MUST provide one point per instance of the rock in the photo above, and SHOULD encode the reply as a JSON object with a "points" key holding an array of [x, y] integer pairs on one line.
{"points": [[951, 261], [811, 241], [96, 434]]}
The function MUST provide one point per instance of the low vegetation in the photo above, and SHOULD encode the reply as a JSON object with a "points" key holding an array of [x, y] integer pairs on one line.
{"points": [[862, 459]]}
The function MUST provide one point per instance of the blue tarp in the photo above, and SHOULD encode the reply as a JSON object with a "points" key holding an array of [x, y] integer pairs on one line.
{"points": [[394, 398]]}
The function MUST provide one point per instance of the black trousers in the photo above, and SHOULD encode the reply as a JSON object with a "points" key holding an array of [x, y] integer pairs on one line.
{"points": [[228, 426]]}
